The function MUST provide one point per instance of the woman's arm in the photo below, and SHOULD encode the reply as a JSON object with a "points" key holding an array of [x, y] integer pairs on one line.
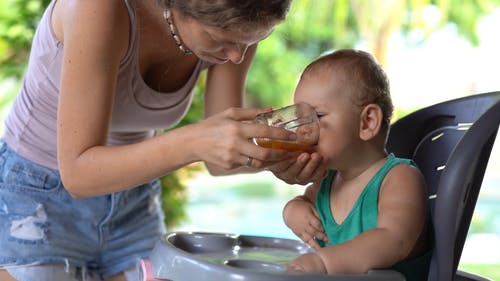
{"points": [[95, 36]]}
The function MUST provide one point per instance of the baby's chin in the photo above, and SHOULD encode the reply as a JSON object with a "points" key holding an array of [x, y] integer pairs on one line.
{"points": [[328, 163], [315, 149]]}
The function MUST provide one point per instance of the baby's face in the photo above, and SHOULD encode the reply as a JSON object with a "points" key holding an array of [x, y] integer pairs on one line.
{"points": [[338, 116]]}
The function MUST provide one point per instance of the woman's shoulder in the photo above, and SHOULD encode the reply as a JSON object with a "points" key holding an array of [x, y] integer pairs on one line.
{"points": [[103, 26], [91, 15], [92, 9]]}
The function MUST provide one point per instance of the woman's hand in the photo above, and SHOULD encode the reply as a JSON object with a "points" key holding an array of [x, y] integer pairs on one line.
{"points": [[301, 217], [225, 140], [301, 169]]}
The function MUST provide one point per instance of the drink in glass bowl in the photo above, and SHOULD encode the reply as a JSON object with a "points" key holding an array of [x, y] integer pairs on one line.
{"points": [[299, 118]]}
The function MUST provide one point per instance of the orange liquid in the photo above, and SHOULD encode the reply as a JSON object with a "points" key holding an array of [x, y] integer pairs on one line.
{"points": [[285, 145]]}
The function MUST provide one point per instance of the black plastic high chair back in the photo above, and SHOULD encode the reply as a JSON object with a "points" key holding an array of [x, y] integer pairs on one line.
{"points": [[451, 143]]}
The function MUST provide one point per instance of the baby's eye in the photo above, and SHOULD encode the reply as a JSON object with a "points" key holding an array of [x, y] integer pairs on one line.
{"points": [[320, 114]]}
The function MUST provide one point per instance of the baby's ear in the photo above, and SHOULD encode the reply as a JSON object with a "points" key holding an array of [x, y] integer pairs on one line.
{"points": [[371, 121]]}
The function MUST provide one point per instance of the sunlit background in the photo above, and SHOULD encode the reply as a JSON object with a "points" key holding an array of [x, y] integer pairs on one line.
{"points": [[431, 52]]}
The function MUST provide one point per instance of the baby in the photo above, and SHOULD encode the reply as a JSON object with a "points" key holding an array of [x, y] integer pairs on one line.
{"points": [[370, 211]]}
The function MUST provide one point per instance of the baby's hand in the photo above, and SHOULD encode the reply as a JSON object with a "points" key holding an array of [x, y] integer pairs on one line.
{"points": [[311, 263], [303, 219]]}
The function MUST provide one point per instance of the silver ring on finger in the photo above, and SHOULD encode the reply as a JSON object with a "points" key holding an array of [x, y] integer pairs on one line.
{"points": [[249, 162]]}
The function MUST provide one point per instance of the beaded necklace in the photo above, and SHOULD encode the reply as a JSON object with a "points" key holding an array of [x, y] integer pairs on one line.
{"points": [[167, 15]]}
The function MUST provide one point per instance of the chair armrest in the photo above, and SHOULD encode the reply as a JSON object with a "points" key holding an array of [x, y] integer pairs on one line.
{"points": [[385, 275]]}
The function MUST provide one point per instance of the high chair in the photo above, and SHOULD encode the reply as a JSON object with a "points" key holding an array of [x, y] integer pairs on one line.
{"points": [[451, 143]]}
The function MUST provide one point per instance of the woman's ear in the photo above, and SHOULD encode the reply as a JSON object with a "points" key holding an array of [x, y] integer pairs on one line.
{"points": [[371, 121]]}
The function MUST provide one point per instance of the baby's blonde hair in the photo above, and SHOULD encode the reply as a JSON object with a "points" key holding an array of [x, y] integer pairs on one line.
{"points": [[365, 75]]}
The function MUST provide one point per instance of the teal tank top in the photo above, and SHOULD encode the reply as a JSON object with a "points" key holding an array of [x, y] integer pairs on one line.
{"points": [[363, 217]]}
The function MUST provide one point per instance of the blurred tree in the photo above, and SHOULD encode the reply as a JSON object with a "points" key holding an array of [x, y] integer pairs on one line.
{"points": [[415, 20], [312, 27], [18, 20]]}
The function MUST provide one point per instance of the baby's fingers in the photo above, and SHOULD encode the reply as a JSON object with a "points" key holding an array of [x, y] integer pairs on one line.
{"points": [[320, 236], [293, 267], [316, 225], [315, 245], [311, 241], [315, 221], [306, 237]]}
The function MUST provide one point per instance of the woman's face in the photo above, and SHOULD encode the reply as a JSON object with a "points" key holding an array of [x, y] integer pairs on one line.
{"points": [[338, 116], [218, 45]]}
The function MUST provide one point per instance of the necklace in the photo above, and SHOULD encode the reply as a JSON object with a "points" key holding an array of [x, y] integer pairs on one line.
{"points": [[168, 18]]}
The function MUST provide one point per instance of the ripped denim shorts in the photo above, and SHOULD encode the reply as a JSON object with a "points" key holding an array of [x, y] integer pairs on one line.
{"points": [[41, 224]]}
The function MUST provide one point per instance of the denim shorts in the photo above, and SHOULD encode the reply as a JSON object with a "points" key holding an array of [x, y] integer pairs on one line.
{"points": [[41, 224]]}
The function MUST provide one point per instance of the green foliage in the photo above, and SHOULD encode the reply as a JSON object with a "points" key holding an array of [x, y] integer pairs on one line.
{"points": [[482, 221], [402, 112], [263, 189], [491, 271], [174, 195], [18, 19], [7, 95], [464, 15], [271, 79], [312, 28]]}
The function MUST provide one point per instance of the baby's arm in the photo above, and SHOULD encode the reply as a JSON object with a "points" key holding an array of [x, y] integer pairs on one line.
{"points": [[301, 217], [398, 235]]}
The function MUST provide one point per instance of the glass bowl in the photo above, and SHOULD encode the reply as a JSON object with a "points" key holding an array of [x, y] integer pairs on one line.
{"points": [[300, 118]]}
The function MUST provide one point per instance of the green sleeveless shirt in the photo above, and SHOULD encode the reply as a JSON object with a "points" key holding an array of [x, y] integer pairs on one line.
{"points": [[363, 217]]}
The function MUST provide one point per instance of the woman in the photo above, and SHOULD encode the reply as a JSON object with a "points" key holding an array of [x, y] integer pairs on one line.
{"points": [[80, 157]]}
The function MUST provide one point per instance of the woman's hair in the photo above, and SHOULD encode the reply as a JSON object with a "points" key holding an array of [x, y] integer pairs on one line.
{"points": [[232, 13], [365, 76]]}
